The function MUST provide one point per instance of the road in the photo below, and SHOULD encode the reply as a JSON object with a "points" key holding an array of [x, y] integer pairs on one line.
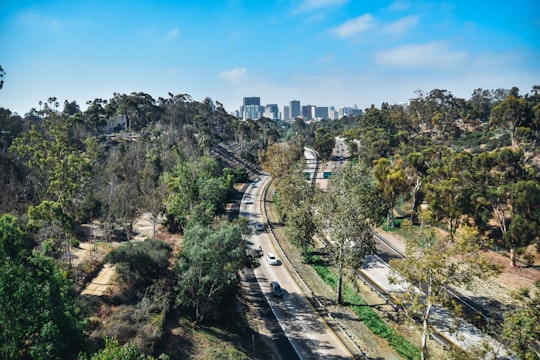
{"points": [[307, 332]]}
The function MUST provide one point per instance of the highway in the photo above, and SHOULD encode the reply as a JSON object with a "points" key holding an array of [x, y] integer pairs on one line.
{"points": [[309, 335]]}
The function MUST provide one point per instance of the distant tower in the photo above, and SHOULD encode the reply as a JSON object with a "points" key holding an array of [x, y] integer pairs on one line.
{"points": [[294, 109], [251, 108], [306, 112], [285, 113], [271, 111], [254, 100]]}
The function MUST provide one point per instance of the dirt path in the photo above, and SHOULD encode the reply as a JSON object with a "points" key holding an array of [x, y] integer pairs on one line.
{"points": [[104, 281]]}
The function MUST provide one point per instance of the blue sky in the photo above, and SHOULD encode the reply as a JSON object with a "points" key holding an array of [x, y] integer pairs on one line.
{"points": [[321, 52]]}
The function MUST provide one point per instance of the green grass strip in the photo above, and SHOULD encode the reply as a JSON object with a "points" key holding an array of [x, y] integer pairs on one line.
{"points": [[365, 312]]}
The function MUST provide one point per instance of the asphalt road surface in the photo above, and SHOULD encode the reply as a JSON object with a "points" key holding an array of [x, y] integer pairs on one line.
{"points": [[308, 334]]}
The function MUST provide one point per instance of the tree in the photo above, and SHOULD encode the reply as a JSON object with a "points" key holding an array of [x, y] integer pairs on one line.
{"points": [[296, 205], [521, 329], [512, 113], [114, 351], [60, 164], [2, 74], [348, 212], [449, 188], [324, 143], [38, 313], [207, 269], [279, 159], [390, 182], [197, 191], [434, 266], [11, 239], [513, 193], [53, 228]]}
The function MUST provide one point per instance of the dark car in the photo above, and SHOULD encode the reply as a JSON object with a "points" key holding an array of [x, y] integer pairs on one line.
{"points": [[259, 226], [276, 289]]}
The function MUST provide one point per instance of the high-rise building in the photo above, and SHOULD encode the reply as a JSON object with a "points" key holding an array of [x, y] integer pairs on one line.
{"points": [[251, 108], [321, 112], [271, 111], [306, 112], [254, 100], [285, 114], [294, 109], [252, 112]]}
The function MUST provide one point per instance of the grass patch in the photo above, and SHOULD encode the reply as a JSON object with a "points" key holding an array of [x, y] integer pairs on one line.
{"points": [[400, 231], [365, 313]]}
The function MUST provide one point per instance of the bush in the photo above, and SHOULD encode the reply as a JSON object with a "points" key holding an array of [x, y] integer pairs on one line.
{"points": [[140, 263]]}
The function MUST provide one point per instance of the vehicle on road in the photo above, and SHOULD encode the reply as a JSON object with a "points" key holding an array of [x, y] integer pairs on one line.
{"points": [[277, 291], [259, 226], [271, 258], [249, 200]]}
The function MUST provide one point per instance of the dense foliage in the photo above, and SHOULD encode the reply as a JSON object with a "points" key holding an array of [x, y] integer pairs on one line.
{"points": [[39, 315], [440, 159]]}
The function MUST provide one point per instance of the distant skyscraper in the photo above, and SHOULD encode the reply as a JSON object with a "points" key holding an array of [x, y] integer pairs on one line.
{"points": [[254, 100], [253, 112], [273, 110], [321, 112], [294, 109], [285, 114], [306, 112], [251, 108]]}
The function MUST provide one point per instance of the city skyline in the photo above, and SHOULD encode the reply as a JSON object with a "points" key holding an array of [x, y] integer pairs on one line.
{"points": [[253, 108], [327, 52]]}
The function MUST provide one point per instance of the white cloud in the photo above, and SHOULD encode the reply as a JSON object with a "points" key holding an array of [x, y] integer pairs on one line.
{"points": [[173, 33], [400, 26], [432, 55], [309, 5], [355, 26], [234, 75], [35, 19], [399, 5]]}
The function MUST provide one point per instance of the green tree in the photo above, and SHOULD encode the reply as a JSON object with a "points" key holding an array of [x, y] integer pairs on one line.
{"points": [[513, 193], [449, 188], [390, 182], [348, 212], [197, 191], [114, 351], [296, 206], [436, 266], [280, 158], [512, 114], [521, 329], [53, 228], [39, 317], [60, 164], [207, 270], [324, 143]]}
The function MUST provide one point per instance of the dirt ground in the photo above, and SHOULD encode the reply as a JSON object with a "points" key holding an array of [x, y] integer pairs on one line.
{"points": [[105, 280], [502, 288]]}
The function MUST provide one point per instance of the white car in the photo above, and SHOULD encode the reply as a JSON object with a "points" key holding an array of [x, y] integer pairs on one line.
{"points": [[272, 260], [249, 200]]}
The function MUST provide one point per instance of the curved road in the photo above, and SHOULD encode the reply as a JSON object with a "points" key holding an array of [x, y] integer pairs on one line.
{"points": [[307, 332]]}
